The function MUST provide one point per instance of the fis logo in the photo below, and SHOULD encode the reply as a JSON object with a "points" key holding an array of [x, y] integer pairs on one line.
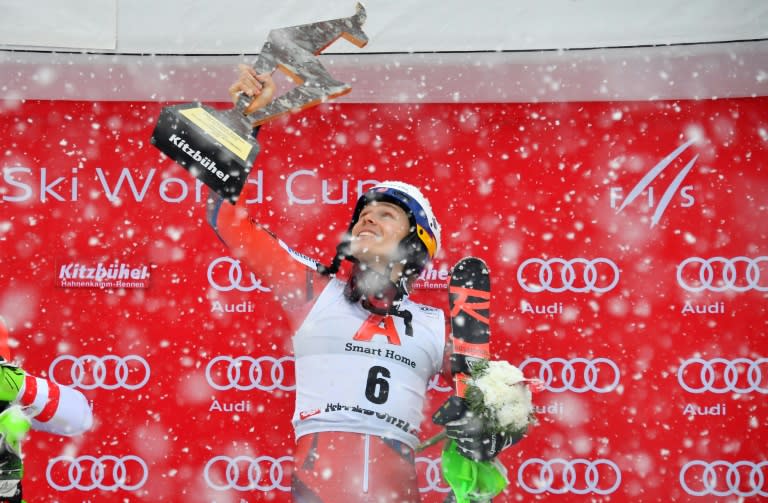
{"points": [[675, 187]]}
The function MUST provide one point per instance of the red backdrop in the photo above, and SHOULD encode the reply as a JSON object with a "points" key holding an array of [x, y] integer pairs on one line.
{"points": [[629, 257]]}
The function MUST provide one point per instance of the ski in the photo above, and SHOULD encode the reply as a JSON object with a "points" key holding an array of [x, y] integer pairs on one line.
{"points": [[469, 300]]}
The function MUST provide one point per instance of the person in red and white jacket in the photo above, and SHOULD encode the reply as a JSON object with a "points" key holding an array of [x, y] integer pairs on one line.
{"points": [[28, 402], [364, 351], [51, 407]]}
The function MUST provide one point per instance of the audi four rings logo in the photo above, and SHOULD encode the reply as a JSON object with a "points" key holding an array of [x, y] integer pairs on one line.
{"points": [[87, 473], [266, 473], [577, 374], [232, 277], [561, 476], [432, 475], [718, 375], [718, 274], [106, 372], [245, 373], [245, 473], [557, 275], [722, 478]]}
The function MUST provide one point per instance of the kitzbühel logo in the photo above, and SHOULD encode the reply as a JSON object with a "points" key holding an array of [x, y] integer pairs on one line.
{"points": [[101, 275], [196, 156]]}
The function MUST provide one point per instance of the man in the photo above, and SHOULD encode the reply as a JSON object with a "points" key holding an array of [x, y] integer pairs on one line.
{"points": [[364, 351], [27, 401]]}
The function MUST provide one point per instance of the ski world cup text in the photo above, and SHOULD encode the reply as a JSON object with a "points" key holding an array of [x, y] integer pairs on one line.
{"points": [[21, 184]]}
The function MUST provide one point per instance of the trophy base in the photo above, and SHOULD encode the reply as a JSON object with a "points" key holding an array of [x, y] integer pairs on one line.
{"points": [[216, 146]]}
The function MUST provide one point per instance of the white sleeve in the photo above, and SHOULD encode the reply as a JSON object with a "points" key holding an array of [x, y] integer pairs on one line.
{"points": [[54, 408]]}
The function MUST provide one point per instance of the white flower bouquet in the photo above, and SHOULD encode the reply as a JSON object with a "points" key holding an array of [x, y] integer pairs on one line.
{"points": [[498, 392], [498, 395]]}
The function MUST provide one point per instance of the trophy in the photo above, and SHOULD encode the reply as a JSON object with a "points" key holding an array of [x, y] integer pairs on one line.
{"points": [[218, 147]]}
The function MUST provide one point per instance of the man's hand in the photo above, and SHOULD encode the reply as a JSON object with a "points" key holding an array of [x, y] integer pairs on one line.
{"points": [[259, 87], [469, 431]]}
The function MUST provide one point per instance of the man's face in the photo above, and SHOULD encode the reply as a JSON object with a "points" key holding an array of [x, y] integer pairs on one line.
{"points": [[376, 234]]}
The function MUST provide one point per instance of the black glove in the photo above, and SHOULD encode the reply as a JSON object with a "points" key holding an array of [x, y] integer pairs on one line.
{"points": [[469, 431]]}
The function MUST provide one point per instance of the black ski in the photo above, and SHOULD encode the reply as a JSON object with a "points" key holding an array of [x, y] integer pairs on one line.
{"points": [[469, 298]]}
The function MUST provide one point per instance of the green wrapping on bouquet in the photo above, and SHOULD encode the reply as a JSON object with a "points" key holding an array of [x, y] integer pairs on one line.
{"points": [[479, 480]]}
